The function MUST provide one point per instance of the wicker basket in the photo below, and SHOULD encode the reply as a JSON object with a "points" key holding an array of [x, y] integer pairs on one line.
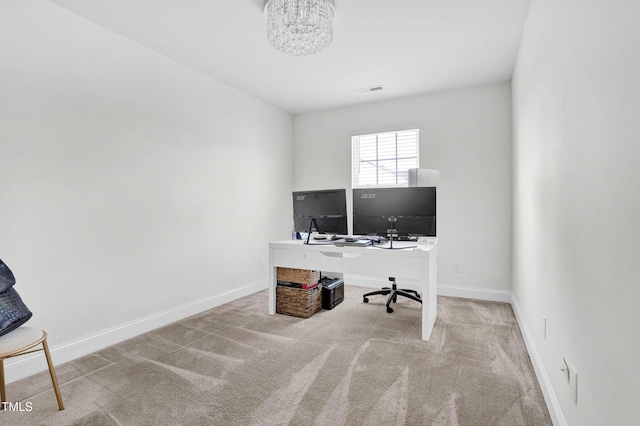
{"points": [[297, 302], [298, 276]]}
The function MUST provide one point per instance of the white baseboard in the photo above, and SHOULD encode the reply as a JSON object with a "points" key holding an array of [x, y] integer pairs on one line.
{"points": [[475, 293], [371, 282], [541, 373], [443, 290], [25, 366]]}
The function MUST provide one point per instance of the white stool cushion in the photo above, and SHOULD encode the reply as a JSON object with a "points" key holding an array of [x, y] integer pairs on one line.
{"points": [[21, 337]]}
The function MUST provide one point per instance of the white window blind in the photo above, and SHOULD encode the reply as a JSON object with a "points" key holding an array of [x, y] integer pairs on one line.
{"points": [[383, 159]]}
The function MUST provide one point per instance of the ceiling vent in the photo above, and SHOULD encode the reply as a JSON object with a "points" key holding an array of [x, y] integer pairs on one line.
{"points": [[375, 88]]}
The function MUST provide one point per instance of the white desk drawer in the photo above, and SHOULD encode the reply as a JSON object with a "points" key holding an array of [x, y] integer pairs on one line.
{"points": [[314, 260], [382, 266]]}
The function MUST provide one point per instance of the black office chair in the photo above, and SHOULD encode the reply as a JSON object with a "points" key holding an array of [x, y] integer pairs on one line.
{"points": [[393, 293]]}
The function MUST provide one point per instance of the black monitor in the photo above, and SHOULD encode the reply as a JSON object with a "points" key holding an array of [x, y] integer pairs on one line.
{"points": [[412, 211], [326, 210]]}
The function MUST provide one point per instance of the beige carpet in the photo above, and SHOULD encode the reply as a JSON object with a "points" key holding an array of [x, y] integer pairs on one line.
{"points": [[353, 365]]}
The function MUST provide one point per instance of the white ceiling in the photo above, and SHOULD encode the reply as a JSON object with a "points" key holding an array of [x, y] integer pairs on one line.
{"points": [[409, 47]]}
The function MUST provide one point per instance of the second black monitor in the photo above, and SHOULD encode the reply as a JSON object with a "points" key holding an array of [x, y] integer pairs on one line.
{"points": [[328, 209], [414, 210]]}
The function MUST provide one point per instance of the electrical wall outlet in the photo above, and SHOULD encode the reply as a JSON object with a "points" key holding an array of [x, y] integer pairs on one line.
{"points": [[457, 267], [262, 261], [544, 327]]}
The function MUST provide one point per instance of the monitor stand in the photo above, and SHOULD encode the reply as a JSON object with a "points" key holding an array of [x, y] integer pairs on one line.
{"points": [[390, 233], [313, 225]]}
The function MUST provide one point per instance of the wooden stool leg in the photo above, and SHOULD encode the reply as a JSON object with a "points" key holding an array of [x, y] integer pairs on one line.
{"points": [[3, 395], [52, 372]]}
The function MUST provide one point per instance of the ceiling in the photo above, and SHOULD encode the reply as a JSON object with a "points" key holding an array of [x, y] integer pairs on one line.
{"points": [[409, 47]]}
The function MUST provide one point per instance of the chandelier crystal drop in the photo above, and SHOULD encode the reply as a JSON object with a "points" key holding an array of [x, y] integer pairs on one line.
{"points": [[299, 27]]}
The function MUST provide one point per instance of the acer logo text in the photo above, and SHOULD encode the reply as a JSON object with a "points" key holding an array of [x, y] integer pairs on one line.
{"points": [[300, 197], [372, 195]]}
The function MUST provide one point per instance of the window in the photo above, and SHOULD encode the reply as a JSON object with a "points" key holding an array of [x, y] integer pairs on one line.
{"points": [[383, 159]]}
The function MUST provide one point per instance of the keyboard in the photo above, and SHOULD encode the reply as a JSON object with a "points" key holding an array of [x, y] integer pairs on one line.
{"points": [[352, 238], [348, 237], [374, 238], [356, 243]]}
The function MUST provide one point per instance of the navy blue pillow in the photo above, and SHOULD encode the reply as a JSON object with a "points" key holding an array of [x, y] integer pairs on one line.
{"points": [[7, 280], [13, 311]]}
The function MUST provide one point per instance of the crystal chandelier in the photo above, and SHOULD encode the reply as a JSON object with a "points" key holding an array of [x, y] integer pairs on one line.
{"points": [[299, 27]]}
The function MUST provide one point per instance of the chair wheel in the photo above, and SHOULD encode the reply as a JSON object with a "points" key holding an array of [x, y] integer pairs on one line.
{"points": [[365, 300], [389, 309]]}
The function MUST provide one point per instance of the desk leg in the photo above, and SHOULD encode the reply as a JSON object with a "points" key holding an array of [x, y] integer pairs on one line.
{"points": [[426, 310], [272, 284], [429, 294]]}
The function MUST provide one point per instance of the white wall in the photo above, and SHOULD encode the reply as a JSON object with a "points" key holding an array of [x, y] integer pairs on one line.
{"points": [[576, 115], [466, 134], [129, 184]]}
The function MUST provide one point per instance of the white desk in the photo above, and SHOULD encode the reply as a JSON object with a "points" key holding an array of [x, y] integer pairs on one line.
{"points": [[411, 264]]}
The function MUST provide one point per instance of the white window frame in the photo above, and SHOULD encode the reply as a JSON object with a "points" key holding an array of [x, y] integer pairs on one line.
{"points": [[401, 174]]}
